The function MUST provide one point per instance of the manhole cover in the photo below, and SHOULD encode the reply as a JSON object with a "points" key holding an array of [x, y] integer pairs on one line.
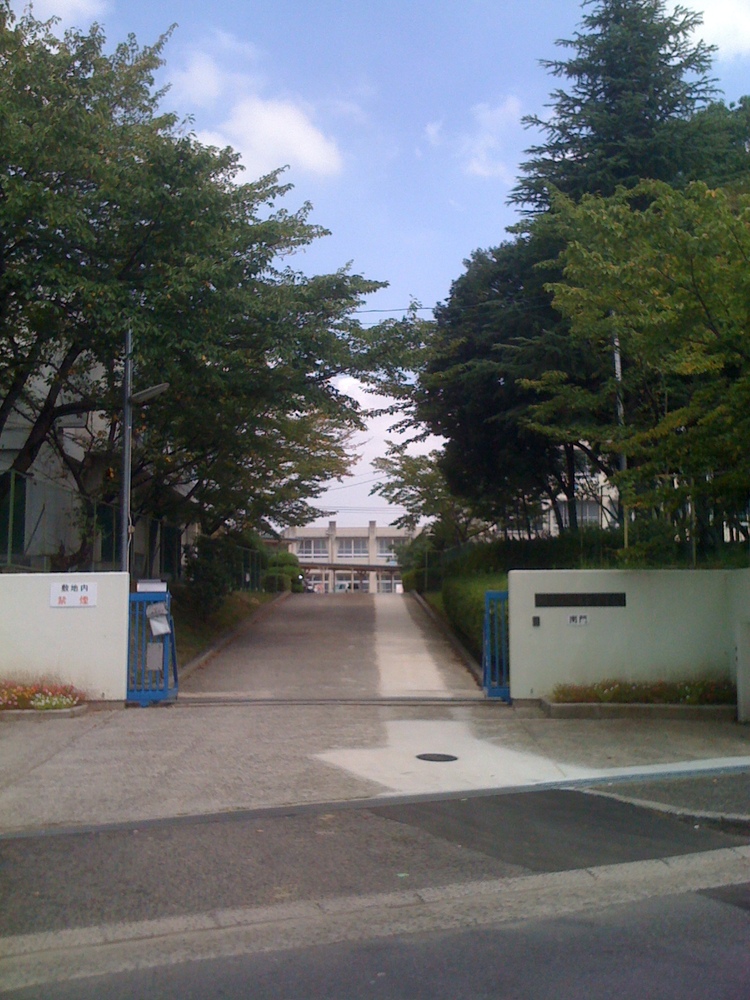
{"points": [[440, 757]]}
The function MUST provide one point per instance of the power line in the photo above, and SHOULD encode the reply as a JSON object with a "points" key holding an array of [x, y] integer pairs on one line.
{"points": [[351, 486], [359, 312], [365, 510]]}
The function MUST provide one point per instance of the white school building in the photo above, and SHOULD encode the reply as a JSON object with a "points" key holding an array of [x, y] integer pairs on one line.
{"points": [[346, 559]]}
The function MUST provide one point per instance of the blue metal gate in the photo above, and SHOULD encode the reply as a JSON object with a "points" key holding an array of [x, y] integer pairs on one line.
{"points": [[152, 657], [495, 656]]}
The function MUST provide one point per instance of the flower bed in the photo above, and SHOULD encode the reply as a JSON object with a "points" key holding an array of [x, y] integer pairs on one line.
{"points": [[695, 692], [39, 697]]}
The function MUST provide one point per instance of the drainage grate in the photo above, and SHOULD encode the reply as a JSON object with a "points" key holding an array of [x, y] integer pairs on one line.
{"points": [[440, 757]]}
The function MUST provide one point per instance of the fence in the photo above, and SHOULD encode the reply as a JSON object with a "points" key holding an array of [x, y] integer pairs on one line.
{"points": [[46, 527]]}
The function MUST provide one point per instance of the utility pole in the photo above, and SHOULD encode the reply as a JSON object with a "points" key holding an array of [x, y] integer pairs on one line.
{"points": [[127, 453], [621, 423]]}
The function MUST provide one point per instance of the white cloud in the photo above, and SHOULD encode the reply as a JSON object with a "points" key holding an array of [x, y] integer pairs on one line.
{"points": [[201, 82], [434, 133], [272, 133], [70, 12], [267, 132], [230, 43], [726, 23], [348, 110], [481, 148]]}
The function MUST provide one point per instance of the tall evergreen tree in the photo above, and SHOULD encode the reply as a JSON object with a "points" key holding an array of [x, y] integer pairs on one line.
{"points": [[636, 78]]}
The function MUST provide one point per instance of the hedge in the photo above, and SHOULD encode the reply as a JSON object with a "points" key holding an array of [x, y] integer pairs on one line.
{"points": [[463, 601], [275, 583]]}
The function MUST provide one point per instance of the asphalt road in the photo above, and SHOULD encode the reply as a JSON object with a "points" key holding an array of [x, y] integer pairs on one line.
{"points": [[686, 947], [451, 847]]}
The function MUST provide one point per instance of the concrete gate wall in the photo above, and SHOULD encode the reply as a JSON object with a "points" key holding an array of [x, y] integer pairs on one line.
{"points": [[81, 644], [671, 625]]}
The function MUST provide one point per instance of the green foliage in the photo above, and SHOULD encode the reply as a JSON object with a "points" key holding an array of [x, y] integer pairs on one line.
{"points": [[636, 76], [250, 540], [590, 547], [463, 603], [665, 272], [276, 582], [704, 691], [286, 564], [526, 408], [417, 483], [280, 558], [212, 566], [113, 216], [497, 330]]}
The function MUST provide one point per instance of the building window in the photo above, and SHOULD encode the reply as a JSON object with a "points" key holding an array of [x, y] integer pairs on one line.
{"points": [[387, 548], [353, 547], [587, 511], [312, 548]]}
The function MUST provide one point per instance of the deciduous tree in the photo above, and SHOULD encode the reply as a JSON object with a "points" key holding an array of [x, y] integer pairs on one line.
{"points": [[113, 216], [666, 273]]}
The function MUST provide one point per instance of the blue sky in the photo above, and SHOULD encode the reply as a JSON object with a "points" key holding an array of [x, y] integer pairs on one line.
{"points": [[399, 119]]}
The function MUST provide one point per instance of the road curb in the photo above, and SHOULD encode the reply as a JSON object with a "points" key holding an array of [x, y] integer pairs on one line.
{"points": [[37, 714], [722, 820]]}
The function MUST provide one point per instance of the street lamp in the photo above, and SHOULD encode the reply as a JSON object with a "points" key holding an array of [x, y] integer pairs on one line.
{"points": [[130, 399]]}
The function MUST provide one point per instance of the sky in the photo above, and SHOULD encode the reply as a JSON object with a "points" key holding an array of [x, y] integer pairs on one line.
{"points": [[399, 120]]}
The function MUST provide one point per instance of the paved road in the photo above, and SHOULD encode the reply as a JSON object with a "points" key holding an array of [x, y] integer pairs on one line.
{"points": [[334, 647], [682, 947], [299, 891]]}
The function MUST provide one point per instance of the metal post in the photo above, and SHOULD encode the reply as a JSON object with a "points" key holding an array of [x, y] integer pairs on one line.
{"points": [[621, 422], [127, 448], [11, 511]]}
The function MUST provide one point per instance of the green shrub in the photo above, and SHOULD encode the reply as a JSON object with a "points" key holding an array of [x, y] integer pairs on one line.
{"points": [[463, 601], [276, 583], [211, 567], [410, 578], [282, 559], [287, 564], [590, 547]]}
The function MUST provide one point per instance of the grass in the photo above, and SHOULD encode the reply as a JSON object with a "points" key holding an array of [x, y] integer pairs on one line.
{"points": [[38, 697], [194, 634], [695, 692]]}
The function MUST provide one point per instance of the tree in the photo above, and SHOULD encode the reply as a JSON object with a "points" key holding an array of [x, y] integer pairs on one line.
{"points": [[113, 216], [636, 79], [519, 400], [497, 327], [666, 272], [416, 483]]}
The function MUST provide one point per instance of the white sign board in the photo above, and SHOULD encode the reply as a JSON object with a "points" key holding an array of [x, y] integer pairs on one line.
{"points": [[75, 594]]}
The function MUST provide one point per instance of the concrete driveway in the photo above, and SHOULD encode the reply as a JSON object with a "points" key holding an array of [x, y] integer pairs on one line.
{"points": [[337, 647]]}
